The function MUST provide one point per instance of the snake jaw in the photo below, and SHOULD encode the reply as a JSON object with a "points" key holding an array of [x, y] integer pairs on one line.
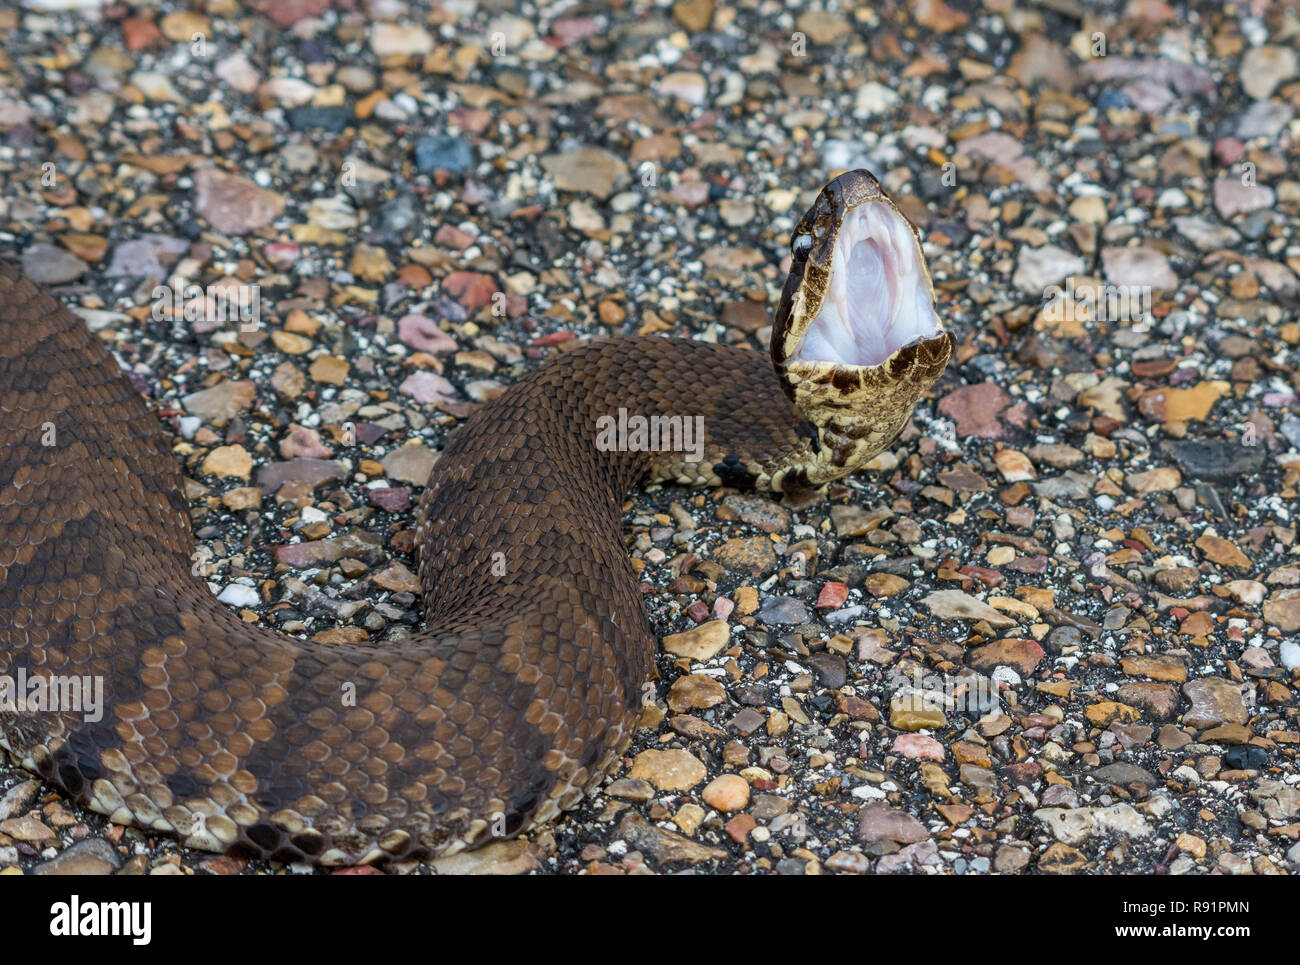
{"points": [[864, 291], [877, 296], [857, 339]]}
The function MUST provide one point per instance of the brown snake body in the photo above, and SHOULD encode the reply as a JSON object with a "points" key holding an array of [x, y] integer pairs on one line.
{"points": [[526, 681]]}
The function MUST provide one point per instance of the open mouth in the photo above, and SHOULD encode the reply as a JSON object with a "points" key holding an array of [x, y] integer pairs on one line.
{"points": [[878, 298]]}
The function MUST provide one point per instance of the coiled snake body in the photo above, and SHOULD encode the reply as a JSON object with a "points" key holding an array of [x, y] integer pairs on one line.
{"points": [[526, 681]]}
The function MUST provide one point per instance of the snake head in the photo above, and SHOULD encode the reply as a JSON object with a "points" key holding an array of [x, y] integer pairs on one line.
{"points": [[857, 338]]}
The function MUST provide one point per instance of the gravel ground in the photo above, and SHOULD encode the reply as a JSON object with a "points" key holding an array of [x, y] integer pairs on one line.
{"points": [[1054, 630]]}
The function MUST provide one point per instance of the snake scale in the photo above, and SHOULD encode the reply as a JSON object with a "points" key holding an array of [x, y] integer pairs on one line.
{"points": [[525, 683]]}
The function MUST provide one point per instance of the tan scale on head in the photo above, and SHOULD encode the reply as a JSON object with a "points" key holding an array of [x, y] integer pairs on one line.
{"points": [[856, 339]]}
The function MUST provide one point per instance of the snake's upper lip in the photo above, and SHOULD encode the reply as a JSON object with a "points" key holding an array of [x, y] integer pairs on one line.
{"points": [[878, 297]]}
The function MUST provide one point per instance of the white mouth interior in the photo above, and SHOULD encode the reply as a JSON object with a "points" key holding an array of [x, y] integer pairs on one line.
{"points": [[877, 300]]}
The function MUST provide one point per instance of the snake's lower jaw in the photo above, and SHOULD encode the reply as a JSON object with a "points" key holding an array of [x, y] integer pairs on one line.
{"points": [[860, 409]]}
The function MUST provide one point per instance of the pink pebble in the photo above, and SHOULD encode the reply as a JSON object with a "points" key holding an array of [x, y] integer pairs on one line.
{"points": [[281, 254], [918, 748], [422, 333], [1229, 150], [832, 596]]}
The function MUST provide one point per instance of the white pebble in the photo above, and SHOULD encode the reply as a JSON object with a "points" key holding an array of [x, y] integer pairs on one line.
{"points": [[240, 595], [1007, 675], [873, 98]]}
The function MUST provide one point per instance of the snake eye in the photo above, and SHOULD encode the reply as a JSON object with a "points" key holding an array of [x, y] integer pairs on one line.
{"points": [[802, 244]]}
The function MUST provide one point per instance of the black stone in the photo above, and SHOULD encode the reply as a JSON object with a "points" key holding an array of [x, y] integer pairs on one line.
{"points": [[1218, 460], [830, 670], [1062, 637], [445, 152], [333, 119], [1246, 757]]}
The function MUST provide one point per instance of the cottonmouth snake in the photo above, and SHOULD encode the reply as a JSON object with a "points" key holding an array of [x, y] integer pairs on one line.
{"points": [[527, 680]]}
